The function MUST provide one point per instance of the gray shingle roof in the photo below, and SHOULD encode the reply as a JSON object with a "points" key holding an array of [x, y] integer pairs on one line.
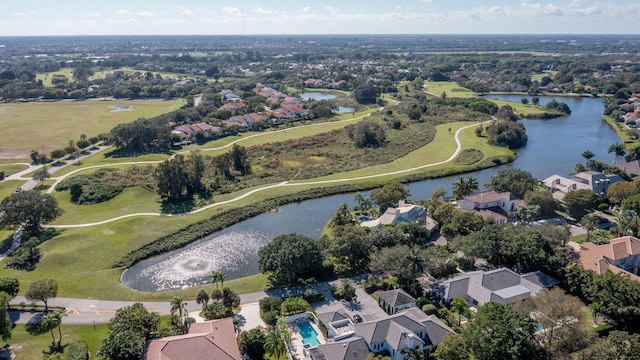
{"points": [[396, 297], [352, 349]]}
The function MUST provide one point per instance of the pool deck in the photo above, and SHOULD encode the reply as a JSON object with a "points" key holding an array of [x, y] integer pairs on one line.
{"points": [[297, 347]]}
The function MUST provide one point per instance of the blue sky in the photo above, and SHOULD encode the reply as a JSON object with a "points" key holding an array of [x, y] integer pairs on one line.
{"points": [[213, 17]]}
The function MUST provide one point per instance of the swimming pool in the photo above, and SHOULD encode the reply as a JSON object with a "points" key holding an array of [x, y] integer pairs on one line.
{"points": [[308, 333]]}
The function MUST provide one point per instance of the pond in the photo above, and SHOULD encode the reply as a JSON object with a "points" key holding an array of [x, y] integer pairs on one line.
{"points": [[345, 110], [554, 146], [119, 108], [318, 96]]}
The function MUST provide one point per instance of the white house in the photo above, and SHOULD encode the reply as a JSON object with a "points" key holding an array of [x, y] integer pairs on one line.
{"points": [[393, 216], [588, 180], [497, 206]]}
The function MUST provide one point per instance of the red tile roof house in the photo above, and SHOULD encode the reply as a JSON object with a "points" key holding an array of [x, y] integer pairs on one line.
{"points": [[185, 132], [215, 340], [619, 255]]}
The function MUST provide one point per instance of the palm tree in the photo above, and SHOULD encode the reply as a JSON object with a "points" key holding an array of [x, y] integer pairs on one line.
{"points": [[634, 154], [179, 306], [416, 260], [218, 276], [590, 223], [465, 186], [458, 305], [618, 150], [202, 297], [274, 344], [50, 321], [588, 154], [363, 203], [347, 289], [217, 295]]}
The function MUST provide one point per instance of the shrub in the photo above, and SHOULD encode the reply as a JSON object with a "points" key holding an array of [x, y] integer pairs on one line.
{"points": [[312, 295], [430, 309], [78, 350], [271, 303], [270, 318]]}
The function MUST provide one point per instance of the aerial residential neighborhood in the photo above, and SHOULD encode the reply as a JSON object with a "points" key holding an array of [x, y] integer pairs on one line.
{"points": [[402, 180]]}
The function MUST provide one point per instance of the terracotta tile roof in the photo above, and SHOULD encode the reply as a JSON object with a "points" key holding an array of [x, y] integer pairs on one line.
{"points": [[600, 257], [208, 340]]}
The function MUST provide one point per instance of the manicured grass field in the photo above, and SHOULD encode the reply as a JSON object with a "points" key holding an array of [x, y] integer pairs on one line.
{"points": [[55, 123], [100, 74], [451, 88], [520, 108], [31, 347], [10, 169]]}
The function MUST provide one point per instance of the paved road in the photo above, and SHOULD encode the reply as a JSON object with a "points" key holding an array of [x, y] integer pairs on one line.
{"points": [[89, 311]]}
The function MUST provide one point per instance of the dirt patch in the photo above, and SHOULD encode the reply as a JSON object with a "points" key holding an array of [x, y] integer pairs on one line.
{"points": [[22, 152]]}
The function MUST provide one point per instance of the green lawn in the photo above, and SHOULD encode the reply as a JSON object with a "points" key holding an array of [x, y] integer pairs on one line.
{"points": [[100, 74], [520, 108], [31, 347], [10, 169], [451, 88], [49, 123]]}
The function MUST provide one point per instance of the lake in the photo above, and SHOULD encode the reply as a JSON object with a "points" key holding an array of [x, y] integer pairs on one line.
{"points": [[318, 96], [554, 146]]}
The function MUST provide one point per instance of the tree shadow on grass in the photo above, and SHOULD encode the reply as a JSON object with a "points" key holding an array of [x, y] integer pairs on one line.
{"points": [[33, 325], [178, 207]]}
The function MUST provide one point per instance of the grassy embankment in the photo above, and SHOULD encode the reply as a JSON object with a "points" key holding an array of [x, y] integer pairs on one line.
{"points": [[101, 74]]}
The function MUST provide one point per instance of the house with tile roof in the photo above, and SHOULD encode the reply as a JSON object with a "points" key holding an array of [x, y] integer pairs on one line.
{"points": [[631, 167], [186, 132], [405, 330], [620, 256], [393, 216], [215, 340], [589, 180], [492, 205], [396, 300], [502, 285], [408, 329]]}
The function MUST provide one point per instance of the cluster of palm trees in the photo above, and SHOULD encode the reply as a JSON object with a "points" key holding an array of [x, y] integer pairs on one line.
{"points": [[465, 186]]}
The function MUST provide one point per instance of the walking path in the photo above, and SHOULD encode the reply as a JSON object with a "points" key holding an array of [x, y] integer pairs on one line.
{"points": [[249, 193]]}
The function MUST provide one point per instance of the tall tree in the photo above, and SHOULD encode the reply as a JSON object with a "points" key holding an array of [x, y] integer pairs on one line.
{"points": [[10, 285], [578, 202], [590, 223], [202, 297], [347, 289], [588, 155], [499, 332], [5, 321], [516, 181], [274, 344], [342, 216], [289, 256], [49, 322], [42, 290], [218, 277], [618, 150], [251, 343], [179, 310], [29, 209], [464, 186], [389, 195]]}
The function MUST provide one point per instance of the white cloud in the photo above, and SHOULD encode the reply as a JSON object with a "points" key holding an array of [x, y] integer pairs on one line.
{"points": [[94, 14], [21, 14], [145, 14], [307, 10], [233, 11], [184, 11], [332, 9], [124, 12], [260, 10]]}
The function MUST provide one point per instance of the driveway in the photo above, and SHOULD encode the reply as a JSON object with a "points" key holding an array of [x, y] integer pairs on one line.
{"points": [[364, 305], [249, 316]]}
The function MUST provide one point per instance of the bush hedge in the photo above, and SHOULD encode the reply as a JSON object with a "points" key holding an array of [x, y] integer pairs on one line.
{"points": [[78, 350]]}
